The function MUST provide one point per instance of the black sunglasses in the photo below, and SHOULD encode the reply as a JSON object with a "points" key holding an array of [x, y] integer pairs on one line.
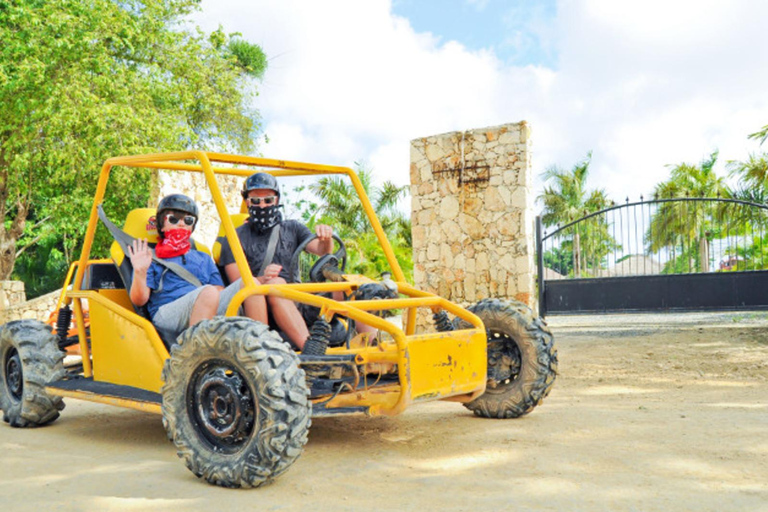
{"points": [[189, 220], [256, 201]]}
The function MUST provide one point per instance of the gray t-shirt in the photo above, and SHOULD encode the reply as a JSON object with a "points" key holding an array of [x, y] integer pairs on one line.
{"points": [[292, 234]]}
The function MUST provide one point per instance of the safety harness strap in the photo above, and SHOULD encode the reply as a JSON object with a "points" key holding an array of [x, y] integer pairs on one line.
{"points": [[271, 246]]}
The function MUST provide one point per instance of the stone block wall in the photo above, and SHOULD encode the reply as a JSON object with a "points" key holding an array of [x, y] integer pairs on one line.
{"points": [[472, 214], [15, 306], [193, 185]]}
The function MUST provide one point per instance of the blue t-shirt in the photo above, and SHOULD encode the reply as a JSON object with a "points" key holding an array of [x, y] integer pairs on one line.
{"points": [[198, 263]]}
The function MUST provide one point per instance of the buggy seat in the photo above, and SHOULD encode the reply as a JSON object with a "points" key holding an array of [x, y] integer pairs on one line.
{"points": [[238, 219]]}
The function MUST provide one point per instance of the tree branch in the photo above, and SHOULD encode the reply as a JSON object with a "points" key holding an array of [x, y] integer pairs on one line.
{"points": [[28, 245]]}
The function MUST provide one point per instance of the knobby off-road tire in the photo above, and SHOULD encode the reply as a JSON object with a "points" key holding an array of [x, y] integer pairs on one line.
{"points": [[30, 358], [522, 359], [235, 402]]}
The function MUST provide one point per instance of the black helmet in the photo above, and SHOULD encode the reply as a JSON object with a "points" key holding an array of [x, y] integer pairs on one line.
{"points": [[178, 202], [260, 181]]}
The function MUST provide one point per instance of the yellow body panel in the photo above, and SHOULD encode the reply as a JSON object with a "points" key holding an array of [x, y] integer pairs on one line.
{"points": [[379, 399], [120, 348], [119, 297], [110, 400], [448, 364]]}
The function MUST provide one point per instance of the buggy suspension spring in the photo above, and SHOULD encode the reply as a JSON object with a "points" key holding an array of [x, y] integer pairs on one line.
{"points": [[442, 322], [319, 336], [62, 325]]}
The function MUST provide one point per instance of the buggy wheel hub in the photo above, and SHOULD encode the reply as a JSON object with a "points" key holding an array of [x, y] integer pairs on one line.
{"points": [[504, 358], [222, 406], [14, 377]]}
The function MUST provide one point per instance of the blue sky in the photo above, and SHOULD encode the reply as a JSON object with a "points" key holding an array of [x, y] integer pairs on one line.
{"points": [[515, 30], [641, 84]]}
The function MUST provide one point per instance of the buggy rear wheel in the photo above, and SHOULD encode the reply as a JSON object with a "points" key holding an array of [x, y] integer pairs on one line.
{"points": [[522, 359], [235, 402], [29, 359]]}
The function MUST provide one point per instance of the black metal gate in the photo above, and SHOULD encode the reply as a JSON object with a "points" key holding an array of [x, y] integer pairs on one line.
{"points": [[684, 254]]}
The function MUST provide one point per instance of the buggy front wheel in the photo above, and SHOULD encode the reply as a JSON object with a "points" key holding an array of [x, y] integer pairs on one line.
{"points": [[235, 402], [522, 359]]}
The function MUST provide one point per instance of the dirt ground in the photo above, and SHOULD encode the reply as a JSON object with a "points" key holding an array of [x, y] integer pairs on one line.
{"points": [[662, 412]]}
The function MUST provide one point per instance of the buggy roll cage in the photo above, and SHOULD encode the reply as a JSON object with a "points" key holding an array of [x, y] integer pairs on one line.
{"points": [[202, 162]]}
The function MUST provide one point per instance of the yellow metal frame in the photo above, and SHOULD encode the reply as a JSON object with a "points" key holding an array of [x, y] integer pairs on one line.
{"points": [[461, 379]]}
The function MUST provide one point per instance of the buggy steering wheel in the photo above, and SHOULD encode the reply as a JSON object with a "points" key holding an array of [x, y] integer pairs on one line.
{"points": [[337, 259]]}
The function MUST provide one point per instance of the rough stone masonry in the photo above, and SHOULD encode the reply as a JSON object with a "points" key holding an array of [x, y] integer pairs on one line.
{"points": [[472, 214]]}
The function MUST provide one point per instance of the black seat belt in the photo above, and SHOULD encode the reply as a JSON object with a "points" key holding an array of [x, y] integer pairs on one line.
{"points": [[271, 246]]}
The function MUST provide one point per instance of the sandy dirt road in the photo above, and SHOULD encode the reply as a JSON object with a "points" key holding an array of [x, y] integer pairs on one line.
{"points": [[649, 413]]}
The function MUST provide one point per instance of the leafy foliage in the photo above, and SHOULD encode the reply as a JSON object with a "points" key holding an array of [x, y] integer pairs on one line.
{"points": [[687, 224], [83, 80], [753, 256], [334, 201], [761, 134], [559, 259], [566, 199]]}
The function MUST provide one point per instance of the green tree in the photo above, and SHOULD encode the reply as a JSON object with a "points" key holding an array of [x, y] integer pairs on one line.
{"points": [[335, 202], [752, 187], [687, 224], [752, 176], [566, 198], [559, 259], [83, 80]]}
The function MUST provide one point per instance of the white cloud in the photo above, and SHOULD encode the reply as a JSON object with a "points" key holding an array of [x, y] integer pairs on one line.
{"points": [[642, 84]]}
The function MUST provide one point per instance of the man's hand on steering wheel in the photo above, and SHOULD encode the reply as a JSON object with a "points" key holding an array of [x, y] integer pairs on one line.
{"points": [[324, 244], [337, 259]]}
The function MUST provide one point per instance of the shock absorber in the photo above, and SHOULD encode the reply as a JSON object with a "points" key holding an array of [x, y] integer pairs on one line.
{"points": [[319, 336], [62, 326], [442, 322]]}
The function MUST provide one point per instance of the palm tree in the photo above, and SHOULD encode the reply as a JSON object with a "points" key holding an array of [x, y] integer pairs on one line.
{"points": [[752, 186], [567, 199], [761, 134], [752, 176], [676, 222], [340, 207]]}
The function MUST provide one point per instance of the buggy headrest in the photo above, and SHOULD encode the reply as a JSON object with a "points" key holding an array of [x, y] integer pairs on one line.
{"points": [[237, 219], [139, 223]]}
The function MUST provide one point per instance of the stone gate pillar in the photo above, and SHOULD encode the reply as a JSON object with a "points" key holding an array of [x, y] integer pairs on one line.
{"points": [[472, 214]]}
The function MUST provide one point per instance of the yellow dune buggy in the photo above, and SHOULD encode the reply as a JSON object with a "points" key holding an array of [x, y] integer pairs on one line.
{"points": [[235, 399]]}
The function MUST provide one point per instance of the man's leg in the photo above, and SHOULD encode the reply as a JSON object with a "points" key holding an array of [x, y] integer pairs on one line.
{"points": [[360, 327], [254, 307], [288, 317]]}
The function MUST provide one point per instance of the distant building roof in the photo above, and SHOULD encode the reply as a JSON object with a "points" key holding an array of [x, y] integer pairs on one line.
{"points": [[550, 274], [635, 265]]}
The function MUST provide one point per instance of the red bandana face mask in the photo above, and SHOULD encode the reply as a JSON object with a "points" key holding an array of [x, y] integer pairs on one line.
{"points": [[175, 242]]}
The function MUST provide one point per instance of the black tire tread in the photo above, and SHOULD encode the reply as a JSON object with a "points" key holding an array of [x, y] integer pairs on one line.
{"points": [[284, 408], [42, 362], [539, 359]]}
